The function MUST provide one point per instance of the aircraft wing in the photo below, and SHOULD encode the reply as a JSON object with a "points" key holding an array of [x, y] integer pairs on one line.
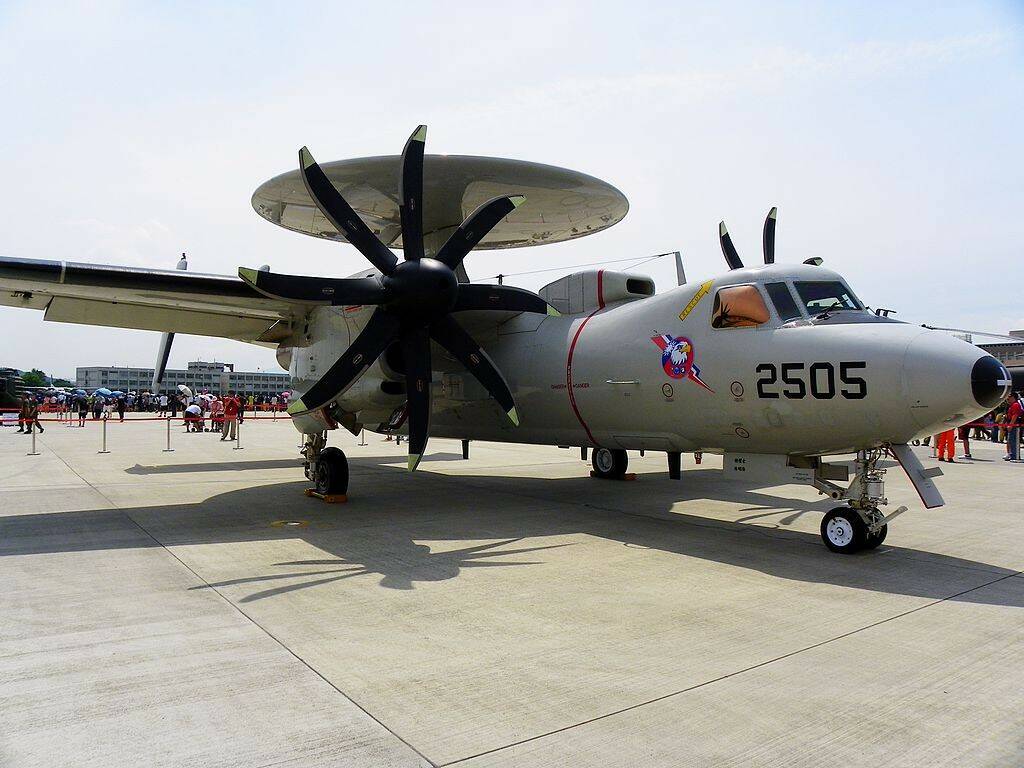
{"points": [[147, 299]]}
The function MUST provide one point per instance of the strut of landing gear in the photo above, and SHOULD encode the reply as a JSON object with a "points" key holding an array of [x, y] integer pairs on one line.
{"points": [[326, 467], [861, 525]]}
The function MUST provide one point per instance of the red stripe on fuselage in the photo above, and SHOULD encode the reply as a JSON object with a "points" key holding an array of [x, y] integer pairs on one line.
{"points": [[572, 348]]}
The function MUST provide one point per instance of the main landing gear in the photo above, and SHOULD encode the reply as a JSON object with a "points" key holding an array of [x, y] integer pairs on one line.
{"points": [[860, 525], [609, 463], [326, 467]]}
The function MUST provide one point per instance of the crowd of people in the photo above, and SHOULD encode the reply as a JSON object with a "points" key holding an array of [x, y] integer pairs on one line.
{"points": [[1003, 425], [224, 412]]}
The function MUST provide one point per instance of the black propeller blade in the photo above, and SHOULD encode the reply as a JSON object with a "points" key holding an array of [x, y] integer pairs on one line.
{"points": [[732, 258], [416, 356], [450, 335], [410, 192], [340, 214], [414, 298], [315, 290], [768, 236], [471, 231], [503, 297], [380, 331]]}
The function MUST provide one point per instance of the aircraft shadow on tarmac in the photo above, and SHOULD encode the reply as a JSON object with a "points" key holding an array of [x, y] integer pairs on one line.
{"points": [[236, 466], [376, 534]]}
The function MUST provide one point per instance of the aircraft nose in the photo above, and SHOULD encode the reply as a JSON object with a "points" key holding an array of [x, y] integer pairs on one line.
{"points": [[990, 382], [949, 381]]}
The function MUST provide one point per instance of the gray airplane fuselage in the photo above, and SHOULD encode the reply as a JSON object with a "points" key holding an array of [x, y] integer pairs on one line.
{"points": [[651, 372]]}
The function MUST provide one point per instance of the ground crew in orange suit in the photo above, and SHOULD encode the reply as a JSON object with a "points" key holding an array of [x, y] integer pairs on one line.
{"points": [[946, 444]]}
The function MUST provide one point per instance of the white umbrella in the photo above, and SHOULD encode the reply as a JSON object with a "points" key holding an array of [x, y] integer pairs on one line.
{"points": [[185, 390]]}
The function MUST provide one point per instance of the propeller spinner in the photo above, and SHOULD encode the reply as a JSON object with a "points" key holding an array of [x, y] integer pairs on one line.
{"points": [[415, 299]]}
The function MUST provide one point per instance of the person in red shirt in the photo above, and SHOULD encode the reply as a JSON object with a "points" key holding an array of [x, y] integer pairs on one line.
{"points": [[1014, 419], [230, 426]]}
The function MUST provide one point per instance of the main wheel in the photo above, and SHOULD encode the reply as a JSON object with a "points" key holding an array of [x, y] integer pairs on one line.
{"points": [[844, 531], [609, 463], [876, 538], [332, 472]]}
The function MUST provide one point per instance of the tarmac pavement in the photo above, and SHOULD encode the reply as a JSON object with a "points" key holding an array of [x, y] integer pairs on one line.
{"points": [[194, 608]]}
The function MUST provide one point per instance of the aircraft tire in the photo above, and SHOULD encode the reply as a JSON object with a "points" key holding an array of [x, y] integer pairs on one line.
{"points": [[875, 539], [844, 531], [609, 463], [332, 472]]}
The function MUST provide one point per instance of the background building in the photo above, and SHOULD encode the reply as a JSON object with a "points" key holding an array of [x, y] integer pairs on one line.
{"points": [[215, 377], [1009, 353]]}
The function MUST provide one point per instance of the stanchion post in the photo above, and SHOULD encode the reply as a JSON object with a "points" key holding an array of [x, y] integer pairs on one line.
{"points": [[104, 437], [362, 437], [238, 435], [168, 449], [34, 451]]}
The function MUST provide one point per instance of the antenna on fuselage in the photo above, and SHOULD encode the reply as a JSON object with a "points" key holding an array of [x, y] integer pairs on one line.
{"points": [[680, 272], [732, 258]]}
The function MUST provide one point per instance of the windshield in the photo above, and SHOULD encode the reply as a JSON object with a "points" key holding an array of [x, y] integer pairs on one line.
{"points": [[826, 295]]}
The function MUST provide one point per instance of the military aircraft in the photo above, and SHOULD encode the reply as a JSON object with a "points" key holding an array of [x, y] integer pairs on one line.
{"points": [[774, 366]]}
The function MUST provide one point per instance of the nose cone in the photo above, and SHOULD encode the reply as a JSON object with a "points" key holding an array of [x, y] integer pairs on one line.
{"points": [[990, 382], [949, 382]]}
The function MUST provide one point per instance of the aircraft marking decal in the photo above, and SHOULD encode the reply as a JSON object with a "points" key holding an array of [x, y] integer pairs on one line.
{"points": [[703, 291], [678, 358], [572, 348]]}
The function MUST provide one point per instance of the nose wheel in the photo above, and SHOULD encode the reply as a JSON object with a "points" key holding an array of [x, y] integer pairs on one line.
{"points": [[844, 530], [860, 525]]}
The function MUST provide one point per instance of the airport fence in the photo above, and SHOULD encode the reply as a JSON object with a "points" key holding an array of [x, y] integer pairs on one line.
{"points": [[70, 419]]}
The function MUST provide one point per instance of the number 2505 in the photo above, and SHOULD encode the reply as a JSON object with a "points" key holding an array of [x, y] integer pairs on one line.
{"points": [[818, 378]]}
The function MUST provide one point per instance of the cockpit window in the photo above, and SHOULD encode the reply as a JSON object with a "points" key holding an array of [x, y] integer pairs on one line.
{"points": [[820, 296], [738, 306], [783, 301]]}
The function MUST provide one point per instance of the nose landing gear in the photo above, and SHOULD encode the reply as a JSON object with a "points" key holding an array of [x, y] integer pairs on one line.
{"points": [[860, 525]]}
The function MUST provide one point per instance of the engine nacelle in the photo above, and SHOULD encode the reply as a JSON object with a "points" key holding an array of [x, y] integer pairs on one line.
{"points": [[586, 291]]}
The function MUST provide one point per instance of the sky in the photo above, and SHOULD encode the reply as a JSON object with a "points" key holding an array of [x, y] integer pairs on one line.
{"points": [[889, 136]]}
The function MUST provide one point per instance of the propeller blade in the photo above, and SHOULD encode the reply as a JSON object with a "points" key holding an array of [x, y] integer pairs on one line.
{"points": [[315, 290], [410, 192], [728, 249], [416, 356], [768, 236], [450, 335], [340, 214], [380, 330], [475, 227], [502, 297]]}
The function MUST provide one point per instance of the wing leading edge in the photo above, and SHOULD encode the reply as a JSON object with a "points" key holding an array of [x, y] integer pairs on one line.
{"points": [[148, 299]]}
